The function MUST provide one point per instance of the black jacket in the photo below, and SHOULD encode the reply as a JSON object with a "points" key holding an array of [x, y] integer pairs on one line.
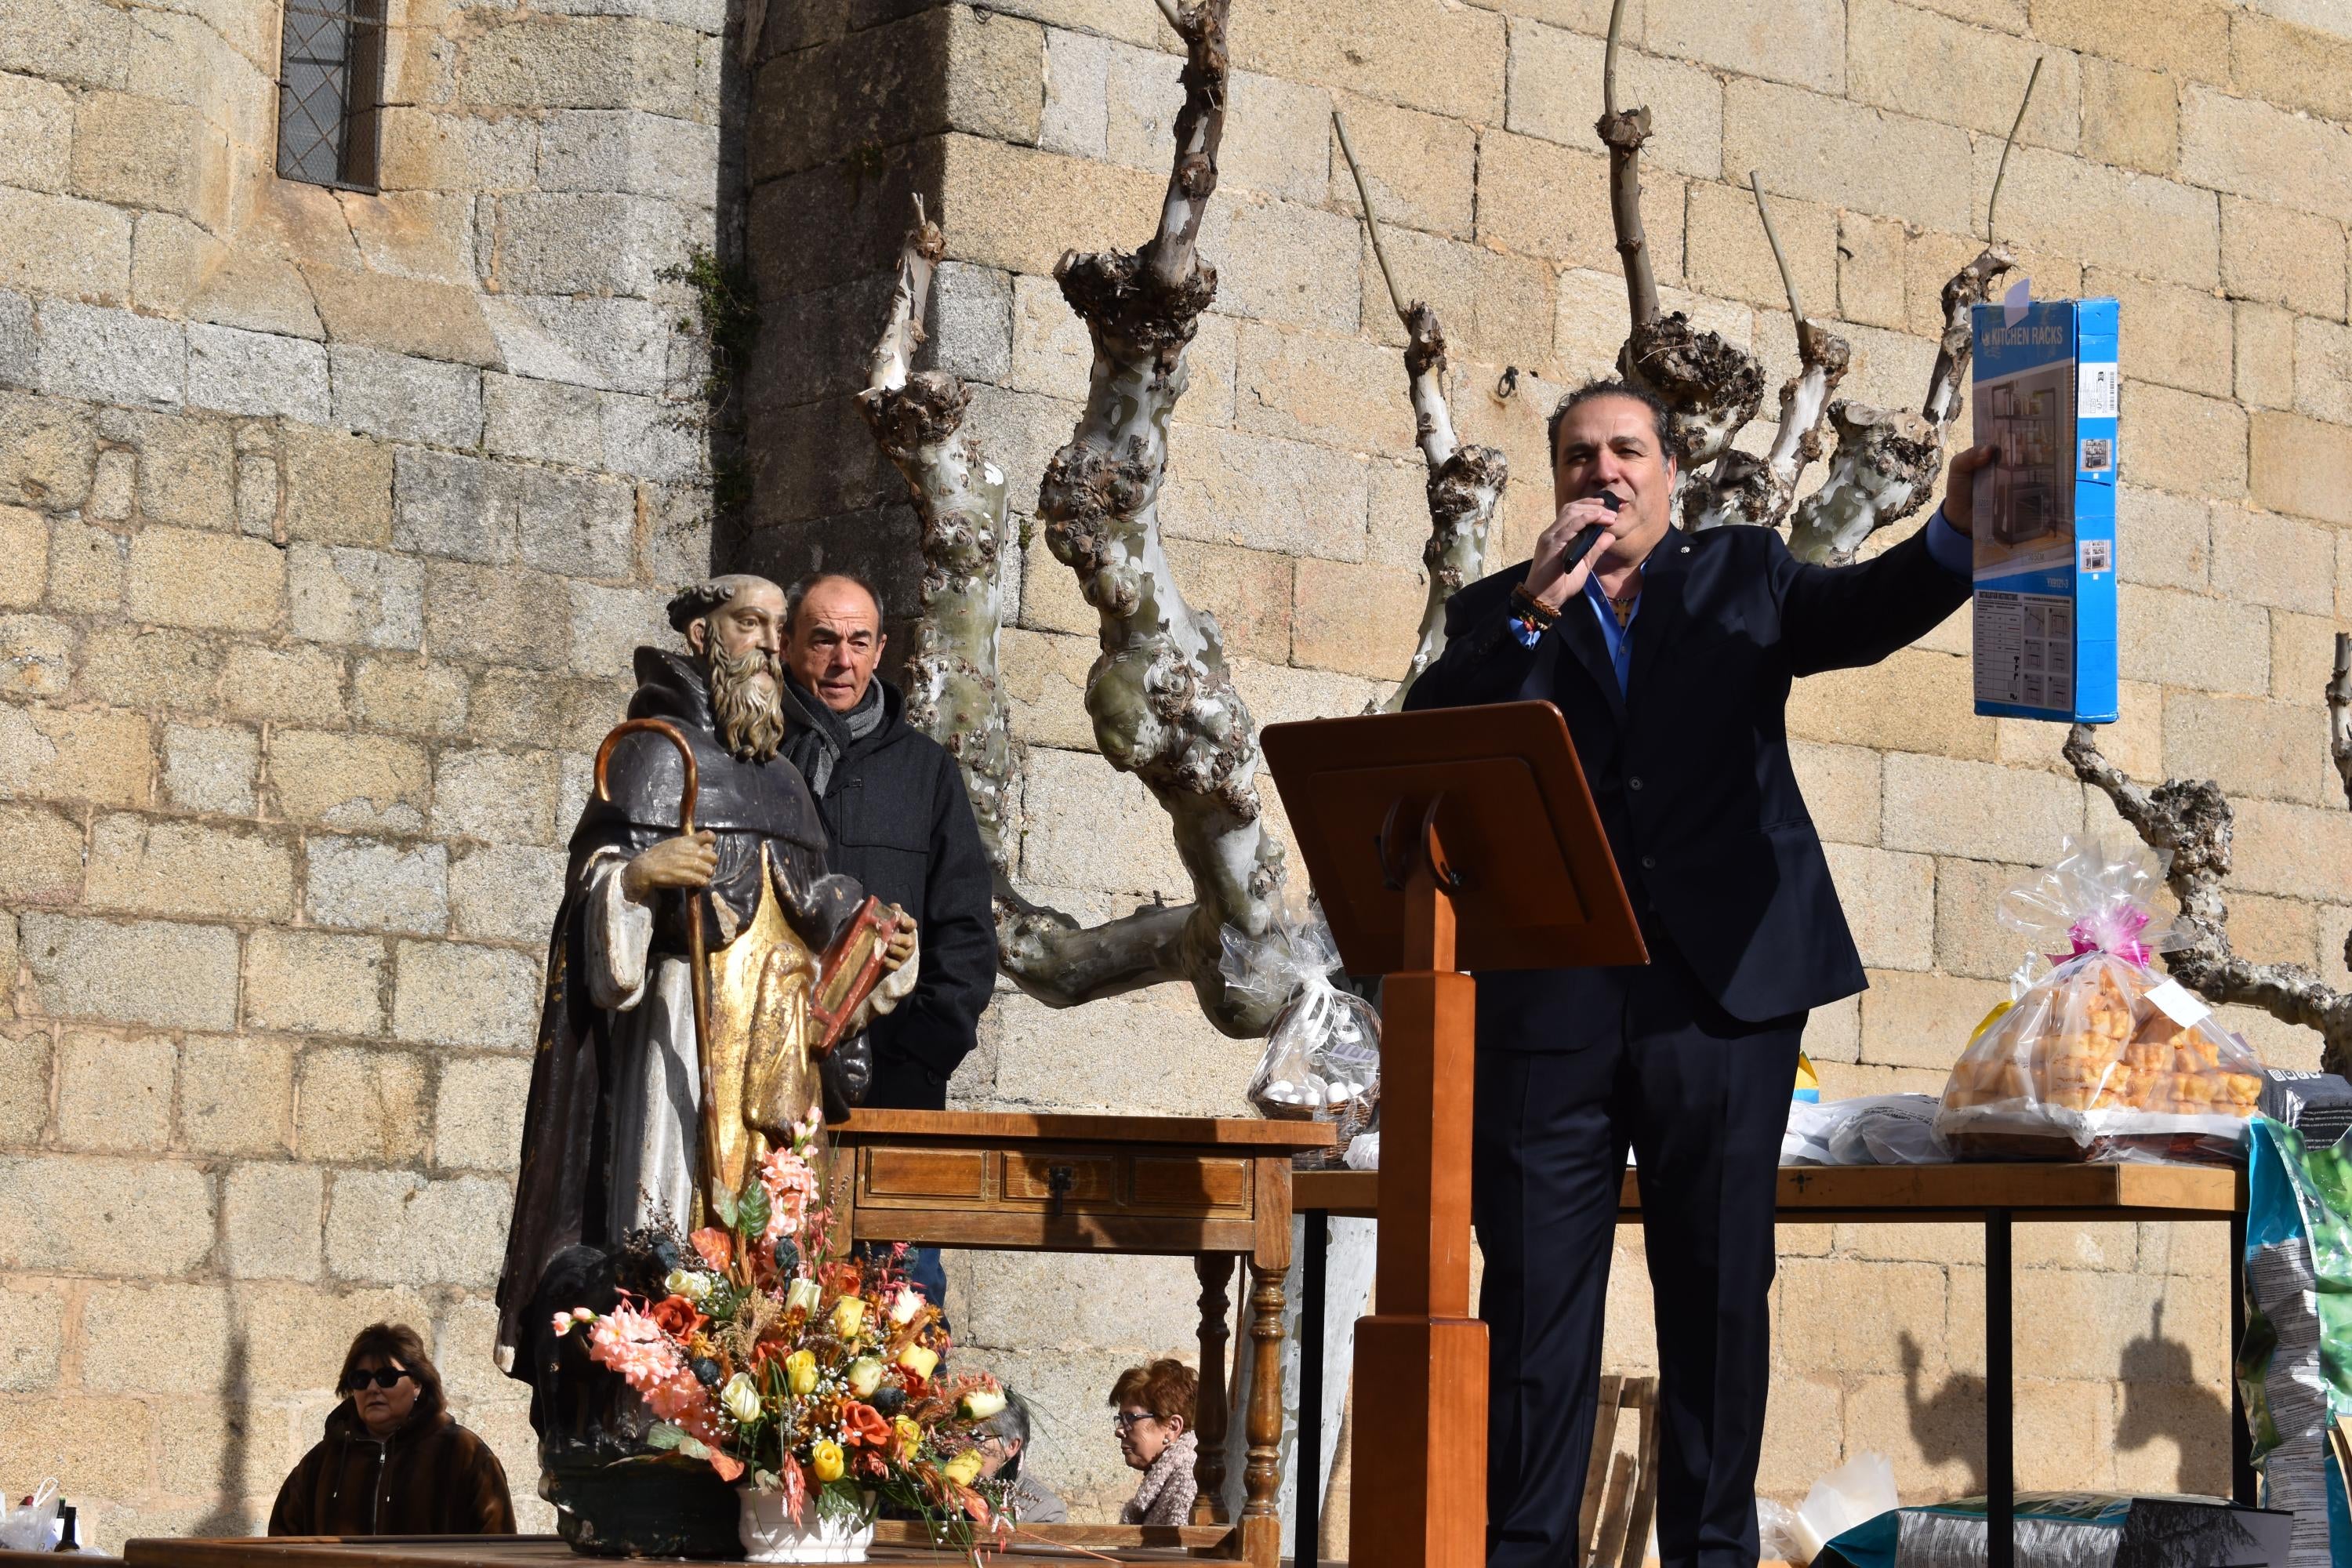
{"points": [[1690, 771], [897, 820]]}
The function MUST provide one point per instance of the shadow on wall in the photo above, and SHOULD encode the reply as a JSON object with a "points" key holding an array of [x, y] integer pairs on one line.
{"points": [[230, 1513], [2163, 1401]]}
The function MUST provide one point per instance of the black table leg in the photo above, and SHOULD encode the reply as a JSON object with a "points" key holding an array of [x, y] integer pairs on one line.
{"points": [[1308, 1491], [2242, 1442], [2001, 1397]]}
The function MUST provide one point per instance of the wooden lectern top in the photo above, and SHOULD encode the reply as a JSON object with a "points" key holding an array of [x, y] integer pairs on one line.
{"points": [[1501, 784]]}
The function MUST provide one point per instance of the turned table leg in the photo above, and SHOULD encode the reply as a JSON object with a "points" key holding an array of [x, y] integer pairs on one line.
{"points": [[1215, 1269], [1262, 1477]]}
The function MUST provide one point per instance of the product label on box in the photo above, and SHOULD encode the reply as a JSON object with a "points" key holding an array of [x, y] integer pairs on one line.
{"points": [[2098, 390], [2025, 649]]}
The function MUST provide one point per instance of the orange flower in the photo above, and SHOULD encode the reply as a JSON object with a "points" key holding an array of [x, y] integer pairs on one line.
{"points": [[862, 1424], [716, 1247], [677, 1316]]}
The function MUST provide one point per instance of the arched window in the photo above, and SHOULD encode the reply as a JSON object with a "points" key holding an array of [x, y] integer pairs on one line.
{"points": [[329, 90]]}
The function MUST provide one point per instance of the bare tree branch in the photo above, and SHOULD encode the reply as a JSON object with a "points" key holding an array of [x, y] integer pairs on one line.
{"points": [[1466, 483], [2192, 822], [1160, 696], [1992, 202], [1743, 487], [1713, 386], [916, 417]]}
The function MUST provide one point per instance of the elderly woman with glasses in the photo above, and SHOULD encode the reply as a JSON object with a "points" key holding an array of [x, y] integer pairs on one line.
{"points": [[1155, 1435], [394, 1461]]}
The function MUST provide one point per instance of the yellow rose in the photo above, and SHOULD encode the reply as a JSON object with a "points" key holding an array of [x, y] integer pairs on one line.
{"points": [[979, 1403], [800, 1372], [803, 1294], [824, 1458], [865, 1376], [919, 1360], [848, 1314], [963, 1469], [909, 1436]]}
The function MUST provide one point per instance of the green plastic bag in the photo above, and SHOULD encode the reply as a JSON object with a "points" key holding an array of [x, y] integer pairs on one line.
{"points": [[2295, 1368]]}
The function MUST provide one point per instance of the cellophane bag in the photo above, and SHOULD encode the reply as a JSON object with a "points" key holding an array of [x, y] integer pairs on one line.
{"points": [[1322, 1057], [2099, 1058]]}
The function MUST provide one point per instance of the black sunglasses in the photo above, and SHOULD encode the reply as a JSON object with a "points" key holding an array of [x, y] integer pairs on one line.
{"points": [[382, 1377]]}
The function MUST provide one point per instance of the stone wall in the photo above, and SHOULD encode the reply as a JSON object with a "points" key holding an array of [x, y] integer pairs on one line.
{"points": [[330, 520], [2190, 159], [327, 523]]}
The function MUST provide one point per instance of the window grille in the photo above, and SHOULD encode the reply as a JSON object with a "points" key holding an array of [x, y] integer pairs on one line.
{"points": [[329, 85]]}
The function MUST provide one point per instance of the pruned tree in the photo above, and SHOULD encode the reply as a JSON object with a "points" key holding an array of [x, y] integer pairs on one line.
{"points": [[2192, 822], [1160, 693]]}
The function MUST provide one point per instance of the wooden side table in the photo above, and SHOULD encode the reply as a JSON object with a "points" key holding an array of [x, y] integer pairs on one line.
{"points": [[1213, 1189]]}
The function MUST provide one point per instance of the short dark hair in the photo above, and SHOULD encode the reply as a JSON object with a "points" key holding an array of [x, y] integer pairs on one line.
{"points": [[1168, 1388], [1661, 418], [800, 589], [396, 1343], [697, 601]]}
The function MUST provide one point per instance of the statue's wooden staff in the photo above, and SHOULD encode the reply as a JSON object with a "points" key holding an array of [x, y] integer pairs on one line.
{"points": [[700, 980]]}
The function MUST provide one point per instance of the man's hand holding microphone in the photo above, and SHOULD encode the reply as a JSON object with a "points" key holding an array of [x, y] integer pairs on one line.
{"points": [[1565, 553]]}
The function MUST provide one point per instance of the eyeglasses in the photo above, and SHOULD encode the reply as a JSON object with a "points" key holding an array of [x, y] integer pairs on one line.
{"points": [[382, 1377], [1126, 1418]]}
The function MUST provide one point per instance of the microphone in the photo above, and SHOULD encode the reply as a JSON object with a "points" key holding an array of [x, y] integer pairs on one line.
{"points": [[1587, 537]]}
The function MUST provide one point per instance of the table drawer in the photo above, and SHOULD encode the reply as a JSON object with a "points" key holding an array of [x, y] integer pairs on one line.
{"points": [[1075, 1180]]}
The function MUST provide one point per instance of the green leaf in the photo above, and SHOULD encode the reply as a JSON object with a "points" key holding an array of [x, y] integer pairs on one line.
{"points": [[723, 1204], [664, 1436], [751, 1213], [691, 1448]]}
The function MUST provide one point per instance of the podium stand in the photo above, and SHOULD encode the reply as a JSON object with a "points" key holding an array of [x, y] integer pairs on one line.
{"points": [[1458, 838]]}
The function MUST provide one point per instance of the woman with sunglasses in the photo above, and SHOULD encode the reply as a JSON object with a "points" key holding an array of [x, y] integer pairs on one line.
{"points": [[393, 1461]]}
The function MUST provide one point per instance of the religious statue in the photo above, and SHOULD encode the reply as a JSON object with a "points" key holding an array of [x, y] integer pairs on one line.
{"points": [[655, 1084]]}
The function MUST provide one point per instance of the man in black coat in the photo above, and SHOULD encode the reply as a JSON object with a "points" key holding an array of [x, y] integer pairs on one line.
{"points": [[1670, 655], [897, 820]]}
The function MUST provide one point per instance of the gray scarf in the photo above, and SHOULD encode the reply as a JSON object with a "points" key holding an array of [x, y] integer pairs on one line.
{"points": [[819, 736]]}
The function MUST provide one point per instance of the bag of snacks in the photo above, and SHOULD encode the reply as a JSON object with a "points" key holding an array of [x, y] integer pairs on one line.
{"points": [[1322, 1057], [2098, 1058]]}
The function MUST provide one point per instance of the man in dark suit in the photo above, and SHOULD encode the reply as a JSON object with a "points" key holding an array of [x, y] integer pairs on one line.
{"points": [[1670, 655]]}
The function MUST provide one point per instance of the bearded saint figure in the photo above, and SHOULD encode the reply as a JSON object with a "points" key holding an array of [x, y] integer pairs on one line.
{"points": [[612, 1137]]}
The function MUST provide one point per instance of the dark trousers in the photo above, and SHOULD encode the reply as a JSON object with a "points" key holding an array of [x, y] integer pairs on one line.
{"points": [[1702, 1099]]}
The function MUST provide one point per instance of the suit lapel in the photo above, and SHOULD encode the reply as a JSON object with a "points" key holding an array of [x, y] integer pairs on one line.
{"points": [[1663, 579], [1581, 631]]}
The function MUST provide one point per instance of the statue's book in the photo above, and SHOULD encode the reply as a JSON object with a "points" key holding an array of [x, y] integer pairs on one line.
{"points": [[2045, 392], [848, 971]]}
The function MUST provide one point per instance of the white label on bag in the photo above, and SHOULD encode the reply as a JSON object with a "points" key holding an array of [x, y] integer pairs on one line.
{"points": [[2180, 1004]]}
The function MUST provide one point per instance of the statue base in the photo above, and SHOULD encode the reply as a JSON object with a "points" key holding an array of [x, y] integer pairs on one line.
{"points": [[647, 1505]]}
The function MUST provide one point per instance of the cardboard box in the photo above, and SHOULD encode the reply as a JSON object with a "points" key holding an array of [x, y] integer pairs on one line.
{"points": [[2045, 391]]}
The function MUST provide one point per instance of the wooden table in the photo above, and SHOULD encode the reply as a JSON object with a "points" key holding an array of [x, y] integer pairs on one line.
{"points": [[520, 1552], [1995, 1195], [1210, 1189]]}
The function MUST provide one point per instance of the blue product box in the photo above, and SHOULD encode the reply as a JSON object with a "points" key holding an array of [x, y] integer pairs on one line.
{"points": [[2045, 391]]}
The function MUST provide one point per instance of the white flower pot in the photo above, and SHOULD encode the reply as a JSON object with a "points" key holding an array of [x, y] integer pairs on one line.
{"points": [[771, 1535]]}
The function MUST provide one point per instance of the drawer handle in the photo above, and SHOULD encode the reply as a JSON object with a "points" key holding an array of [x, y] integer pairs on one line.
{"points": [[1059, 1180]]}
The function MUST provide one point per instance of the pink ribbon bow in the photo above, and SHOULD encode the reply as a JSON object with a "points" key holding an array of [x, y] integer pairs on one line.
{"points": [[2113, 931]]}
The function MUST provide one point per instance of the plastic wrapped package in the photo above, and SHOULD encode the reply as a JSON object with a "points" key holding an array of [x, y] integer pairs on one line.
{"points": [[2099, 1058], [2071, 1530], [33, 1526], [1322, 1057], [1868, 1130], [2293, 1366]]}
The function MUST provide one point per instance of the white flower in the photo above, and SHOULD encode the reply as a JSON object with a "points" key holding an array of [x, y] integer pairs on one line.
{"points": [[981, 1403], [686, 1283], [805, 1294], [906, 1304], [741, 1398], [865, 1376]]}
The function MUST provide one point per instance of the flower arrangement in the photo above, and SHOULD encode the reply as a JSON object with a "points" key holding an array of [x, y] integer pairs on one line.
{"points": [[796, 1372]]}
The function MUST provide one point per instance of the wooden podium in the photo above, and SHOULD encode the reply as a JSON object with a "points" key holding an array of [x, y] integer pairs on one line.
{"points": [[1459, 838]]}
